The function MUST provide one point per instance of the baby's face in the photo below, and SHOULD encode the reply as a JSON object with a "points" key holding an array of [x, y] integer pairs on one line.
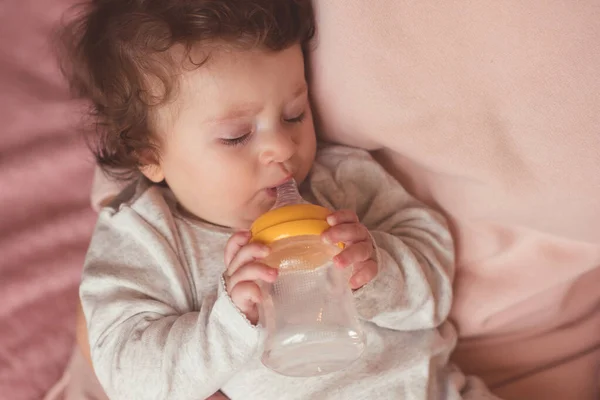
{"points": [[240, 126]]}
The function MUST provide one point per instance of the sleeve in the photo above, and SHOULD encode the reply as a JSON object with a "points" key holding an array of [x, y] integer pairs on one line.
{"points": [[414, 249], [150, 337]]}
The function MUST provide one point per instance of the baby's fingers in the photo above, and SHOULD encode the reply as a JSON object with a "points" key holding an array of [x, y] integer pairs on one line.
{"points": [[346, 233], [363, 273], [247, 254], [342, 217], [252, 272], [353, 254], [234, 244], [246, 295]]}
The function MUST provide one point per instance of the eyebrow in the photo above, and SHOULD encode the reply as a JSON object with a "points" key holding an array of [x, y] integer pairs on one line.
{"points": [[250, 109], [301, 90], [239, 112]]}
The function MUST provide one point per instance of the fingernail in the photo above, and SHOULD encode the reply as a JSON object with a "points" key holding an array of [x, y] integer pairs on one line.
{"points": [[325, 239], [330, 220]]}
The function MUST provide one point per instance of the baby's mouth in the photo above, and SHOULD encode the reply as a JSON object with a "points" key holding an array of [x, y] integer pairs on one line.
{"points": [[272, 191]]}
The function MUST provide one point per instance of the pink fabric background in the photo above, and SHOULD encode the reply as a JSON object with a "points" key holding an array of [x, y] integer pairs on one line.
{"points": [[45, 218]]}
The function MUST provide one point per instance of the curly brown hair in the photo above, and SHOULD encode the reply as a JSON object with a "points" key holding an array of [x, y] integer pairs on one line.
{"points": [[116, 53]]}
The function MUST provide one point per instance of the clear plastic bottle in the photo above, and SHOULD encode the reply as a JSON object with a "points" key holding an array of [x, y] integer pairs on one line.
{"points": [[308, 312]]}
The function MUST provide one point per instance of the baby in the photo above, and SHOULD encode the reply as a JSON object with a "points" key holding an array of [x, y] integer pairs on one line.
{"points": [[205, 104]]}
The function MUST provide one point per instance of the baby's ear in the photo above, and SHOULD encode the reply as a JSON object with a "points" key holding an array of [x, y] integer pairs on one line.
{"points": [[154, 172], [150, 164]]}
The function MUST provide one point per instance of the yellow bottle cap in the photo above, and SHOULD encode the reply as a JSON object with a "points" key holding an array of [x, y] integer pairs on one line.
{"points": [[288, 221]]}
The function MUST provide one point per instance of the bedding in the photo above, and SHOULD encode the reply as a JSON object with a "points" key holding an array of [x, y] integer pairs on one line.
{"points": [[45, 218]]}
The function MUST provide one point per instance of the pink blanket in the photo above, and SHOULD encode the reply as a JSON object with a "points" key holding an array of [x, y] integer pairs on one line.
{"points": [[45, 220]]}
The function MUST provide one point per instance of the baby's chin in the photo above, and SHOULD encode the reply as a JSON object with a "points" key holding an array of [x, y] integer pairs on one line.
{"points": [[240, 220], [236, 218], [246, 220]]}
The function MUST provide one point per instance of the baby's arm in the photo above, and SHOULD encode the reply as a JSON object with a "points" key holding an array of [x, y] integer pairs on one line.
{"points": [[414, 253], [146, 342]]}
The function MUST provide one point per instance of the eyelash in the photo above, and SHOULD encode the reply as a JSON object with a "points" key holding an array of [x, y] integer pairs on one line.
{"points": [[296, 120], [238, 141]]}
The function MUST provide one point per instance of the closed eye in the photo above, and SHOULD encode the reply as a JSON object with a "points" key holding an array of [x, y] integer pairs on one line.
{"points": [[238, 141], [297, 119]]}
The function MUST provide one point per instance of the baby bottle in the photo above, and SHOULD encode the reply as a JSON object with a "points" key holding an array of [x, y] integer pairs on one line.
{"points": [[308, 313]]}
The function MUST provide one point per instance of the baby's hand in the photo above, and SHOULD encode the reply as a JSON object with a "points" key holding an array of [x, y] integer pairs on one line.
{"points": [[359, 250], [243, 270]]}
